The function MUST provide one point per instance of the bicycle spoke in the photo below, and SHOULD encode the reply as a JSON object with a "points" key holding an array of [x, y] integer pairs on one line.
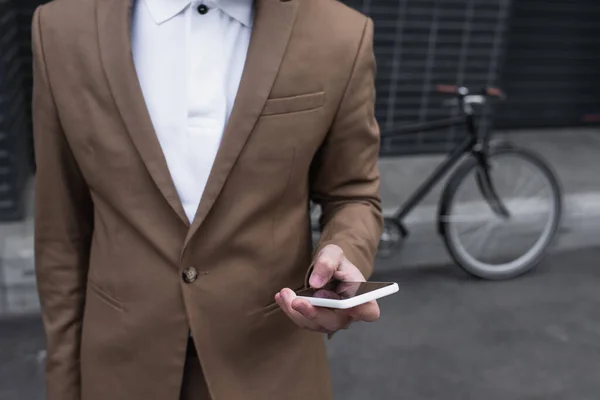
{"points": [[519, 184], [484, 240], [479, 238]]}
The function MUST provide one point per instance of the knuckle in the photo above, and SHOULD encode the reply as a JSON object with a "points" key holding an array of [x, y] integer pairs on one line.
{"points": [[332, 251], [287, 310], [309, 314], [312, 316], [331, 266], [332, 325], [286, 303], [326, 264], [343, 321]]}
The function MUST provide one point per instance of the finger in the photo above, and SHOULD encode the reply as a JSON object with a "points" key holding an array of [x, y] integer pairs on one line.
{"points": [[286, 297], [368, 312], [333, 320], [348, 272], [325, 265], [285, 305], [305, 309], [311, 313], [328, 320]]}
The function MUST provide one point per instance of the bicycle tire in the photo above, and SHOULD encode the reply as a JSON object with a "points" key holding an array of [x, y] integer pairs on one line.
{"points": [[528, 261]]}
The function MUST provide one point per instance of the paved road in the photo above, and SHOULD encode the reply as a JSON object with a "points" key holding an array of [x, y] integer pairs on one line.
{"points": [[443, 337]]}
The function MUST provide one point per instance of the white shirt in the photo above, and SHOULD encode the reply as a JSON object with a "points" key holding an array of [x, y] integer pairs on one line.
{"points": [[189, 66]]}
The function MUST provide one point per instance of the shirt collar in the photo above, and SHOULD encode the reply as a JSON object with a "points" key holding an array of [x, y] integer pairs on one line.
{"points": [[163, 10], [240, 10]]}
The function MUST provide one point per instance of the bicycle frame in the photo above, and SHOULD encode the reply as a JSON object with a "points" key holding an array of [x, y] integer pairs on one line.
{"points": [[444, 168], [473, 144], [439, 172]]}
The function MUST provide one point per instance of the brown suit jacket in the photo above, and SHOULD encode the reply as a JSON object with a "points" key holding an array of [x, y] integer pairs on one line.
{"points": [[111, 235]]}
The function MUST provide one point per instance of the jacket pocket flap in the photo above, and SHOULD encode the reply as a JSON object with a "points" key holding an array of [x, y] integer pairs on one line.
{"points": [[106, 297], [285, 105]]}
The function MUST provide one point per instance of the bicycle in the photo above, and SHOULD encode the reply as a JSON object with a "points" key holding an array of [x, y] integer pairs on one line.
{"points": [[479, 193]]}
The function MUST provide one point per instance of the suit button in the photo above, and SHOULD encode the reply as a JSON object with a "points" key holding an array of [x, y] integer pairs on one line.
{"points": [[189, 275]]}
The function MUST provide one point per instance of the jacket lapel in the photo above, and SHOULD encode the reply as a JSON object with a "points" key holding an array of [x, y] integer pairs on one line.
{"points": [[274, 20], [114, 21]]}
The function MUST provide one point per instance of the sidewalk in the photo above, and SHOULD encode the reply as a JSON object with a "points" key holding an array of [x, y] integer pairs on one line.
{"points": [[17, 276], [573, 153]]}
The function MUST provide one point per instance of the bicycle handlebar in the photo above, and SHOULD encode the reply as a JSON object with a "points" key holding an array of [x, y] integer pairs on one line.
{"points": [[495, 92], [462, 91], [449, 89]]}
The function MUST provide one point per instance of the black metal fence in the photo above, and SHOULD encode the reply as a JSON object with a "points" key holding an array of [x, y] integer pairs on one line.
{"points": [[15, 134], [552, 72], [421, 43]]}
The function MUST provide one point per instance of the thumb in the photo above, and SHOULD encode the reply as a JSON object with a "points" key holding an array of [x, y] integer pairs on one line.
{"points": [[325, 266]]}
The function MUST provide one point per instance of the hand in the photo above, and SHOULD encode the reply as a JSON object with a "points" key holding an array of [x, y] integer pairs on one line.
{"points": [[329, 264]]}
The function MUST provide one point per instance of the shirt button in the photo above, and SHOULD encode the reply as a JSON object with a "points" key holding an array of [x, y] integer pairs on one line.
{"points": [[202, 9], [189, 275]]}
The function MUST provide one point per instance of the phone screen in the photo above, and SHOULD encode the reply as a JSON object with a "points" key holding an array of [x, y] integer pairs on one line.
{"points": [[338, 290]]}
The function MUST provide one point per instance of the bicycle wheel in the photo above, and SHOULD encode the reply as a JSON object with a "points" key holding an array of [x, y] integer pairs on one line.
{"points": [[505, 238]]}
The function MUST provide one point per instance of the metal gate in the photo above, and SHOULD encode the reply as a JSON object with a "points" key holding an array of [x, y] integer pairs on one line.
{"points": [[14, 137], [421, 43], [25, 10], [552, 74]]}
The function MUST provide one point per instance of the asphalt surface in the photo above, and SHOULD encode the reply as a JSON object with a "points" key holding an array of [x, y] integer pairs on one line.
{"points": [[444, 336]]}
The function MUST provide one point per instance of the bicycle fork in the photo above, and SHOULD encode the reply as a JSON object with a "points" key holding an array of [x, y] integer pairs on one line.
{"points": [[485, 184]]}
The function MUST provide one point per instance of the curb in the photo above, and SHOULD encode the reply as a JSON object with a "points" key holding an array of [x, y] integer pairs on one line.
{"points": [[579, 228]]}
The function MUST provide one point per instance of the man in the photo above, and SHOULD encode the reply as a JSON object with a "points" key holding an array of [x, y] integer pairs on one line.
{"points": [[178, 144]]}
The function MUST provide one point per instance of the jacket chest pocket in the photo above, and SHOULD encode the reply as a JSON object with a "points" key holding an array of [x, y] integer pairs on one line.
{"points": [[297, 123], [294, 104]]}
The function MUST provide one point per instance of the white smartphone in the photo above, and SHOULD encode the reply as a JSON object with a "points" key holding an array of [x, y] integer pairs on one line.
{"points": [[344, 295]]}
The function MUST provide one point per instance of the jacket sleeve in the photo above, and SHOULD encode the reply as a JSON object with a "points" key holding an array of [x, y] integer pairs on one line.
{"points": [[63, 228], [345, 175]]}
